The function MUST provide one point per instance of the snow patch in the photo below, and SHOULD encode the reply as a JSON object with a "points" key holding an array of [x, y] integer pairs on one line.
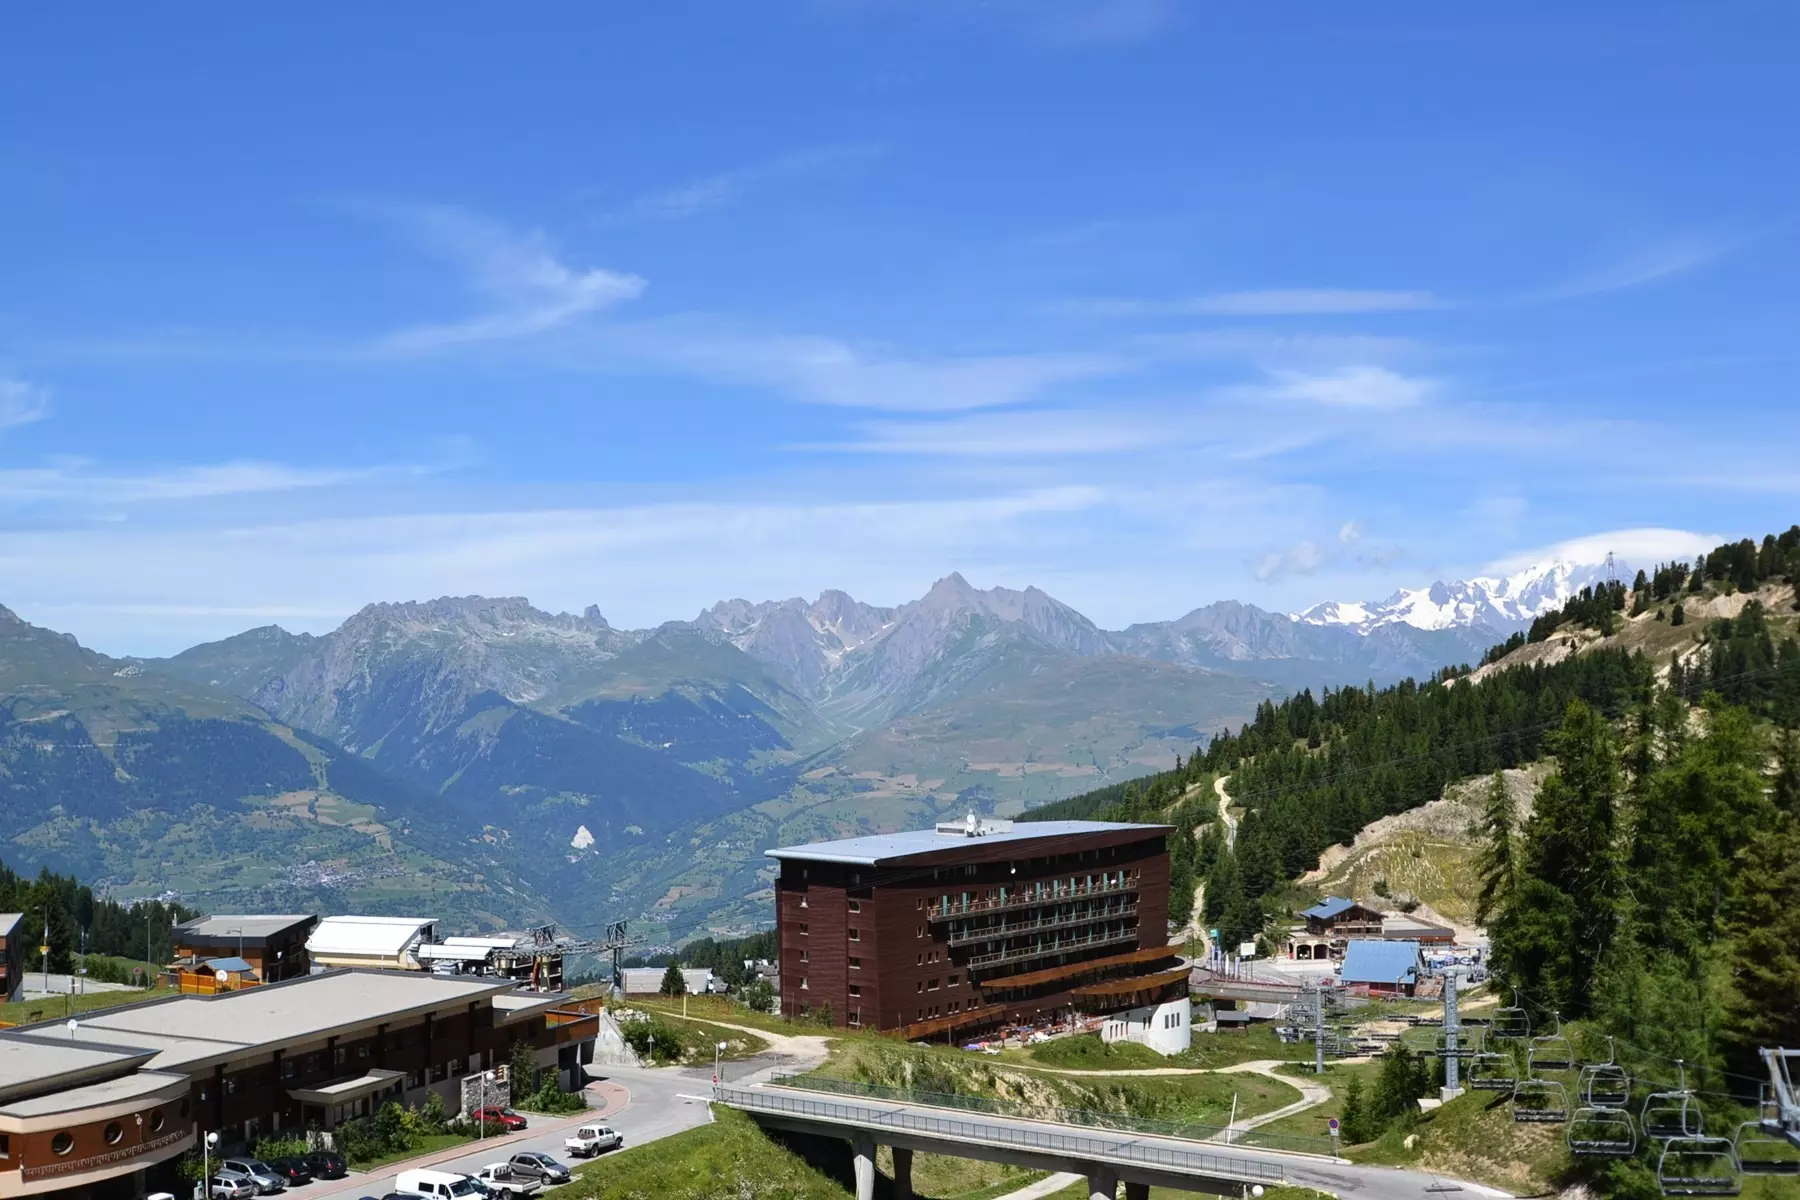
{"points": [[582, 839]]}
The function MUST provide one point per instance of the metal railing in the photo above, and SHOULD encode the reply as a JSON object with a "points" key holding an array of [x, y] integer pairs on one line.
{"points": [[874, 1120], [1061, 946], [1179, 1130], [1026, 898], [989, 933]]}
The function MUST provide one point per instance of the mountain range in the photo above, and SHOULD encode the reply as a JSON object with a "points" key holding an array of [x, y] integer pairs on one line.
{"points": [[502, 763]]}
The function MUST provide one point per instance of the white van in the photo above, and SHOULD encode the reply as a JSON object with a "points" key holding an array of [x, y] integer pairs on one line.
{"points": [[439, 1184]]}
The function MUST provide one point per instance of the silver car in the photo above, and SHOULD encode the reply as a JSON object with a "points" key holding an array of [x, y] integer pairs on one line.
{"points": [[254, 1170]]}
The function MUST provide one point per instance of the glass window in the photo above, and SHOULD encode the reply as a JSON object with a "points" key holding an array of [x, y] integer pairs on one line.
{"points": [[114, 1133], [62, 1143]]}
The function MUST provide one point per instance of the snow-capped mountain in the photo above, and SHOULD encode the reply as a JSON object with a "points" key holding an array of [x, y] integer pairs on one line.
{"points": [[1500, 603]]}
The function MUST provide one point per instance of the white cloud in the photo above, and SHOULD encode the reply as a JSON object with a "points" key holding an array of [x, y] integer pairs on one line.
{"points": [[530, 288], [1349, 532], [1641, 548], [1656, 263], [728, 188], [1272, 302], [1013, 435], [1351, 388], [75, 481], [21, 403], [1302, 558]]}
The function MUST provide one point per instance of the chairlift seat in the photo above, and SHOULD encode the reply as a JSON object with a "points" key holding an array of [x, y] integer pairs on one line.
{"points": [[1596, 1132], [1698, 1166], [1763, 1148], [1604, 1085], [1543, 1101]]}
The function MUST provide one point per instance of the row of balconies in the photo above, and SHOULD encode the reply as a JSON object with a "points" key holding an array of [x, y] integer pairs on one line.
{"points": [[1046, 949], [969, 935], [1037, 893]]}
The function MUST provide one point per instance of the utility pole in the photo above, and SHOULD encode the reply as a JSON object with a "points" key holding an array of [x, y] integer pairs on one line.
{"points": [[45, 948], [1452, 1026]]}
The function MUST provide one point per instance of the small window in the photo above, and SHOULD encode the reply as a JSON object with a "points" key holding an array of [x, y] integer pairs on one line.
{"points": [[803, 986], [231, 1085], [932, 986], [918, 931], [802, 899], [856, 989], [62, 1143], [802, 929], [856, 964], [362, 1051], [856, 906], [157, 1120], [855, 1018], [855, 935], [114, 1133], [918, 985], [952, 982], [803, 956], [337, 1056], [919, 960], [5, 1145], [289, 1068], [920, 905]]}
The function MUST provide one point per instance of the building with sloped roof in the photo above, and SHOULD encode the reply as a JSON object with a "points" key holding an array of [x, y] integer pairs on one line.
{"points": [[380, 943], [273, 944], [1384, 968]]}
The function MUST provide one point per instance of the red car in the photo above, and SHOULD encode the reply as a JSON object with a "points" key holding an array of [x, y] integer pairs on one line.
{"points": [[505, 1118]]}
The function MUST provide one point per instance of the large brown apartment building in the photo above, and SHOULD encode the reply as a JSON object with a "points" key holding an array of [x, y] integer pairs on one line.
{"points": [[975, 923]]}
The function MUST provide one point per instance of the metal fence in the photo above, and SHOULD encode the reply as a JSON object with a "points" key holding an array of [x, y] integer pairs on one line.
{"points": [[1179, 1130], [874, 1120]]}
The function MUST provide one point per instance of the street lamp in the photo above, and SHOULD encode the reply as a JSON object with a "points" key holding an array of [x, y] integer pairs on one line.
{"points": [[487, 1077], [207, 1145], [718, 1063]]}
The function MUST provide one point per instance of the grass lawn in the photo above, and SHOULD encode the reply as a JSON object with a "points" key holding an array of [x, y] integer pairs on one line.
{"points": [[1474, 1137], [1337, 1076], [429, 1144], [1086, 1052], [723, 1008], [56, 1008], [729, 1157], [699, 1039]]}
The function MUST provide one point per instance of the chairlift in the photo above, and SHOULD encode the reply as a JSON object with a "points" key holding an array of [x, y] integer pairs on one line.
{"points": [[1552, 1051], [1468, 1044], [1672, 1114], [1596, 1132], [1698, 1166], [1605, 1084], [1511, 1022], [1762, 1146], [1491, 1071], [1541, 1101]]}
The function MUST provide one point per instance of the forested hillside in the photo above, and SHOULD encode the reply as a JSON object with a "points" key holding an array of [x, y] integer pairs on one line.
{"points": [[70, 909], [1311, 771]]}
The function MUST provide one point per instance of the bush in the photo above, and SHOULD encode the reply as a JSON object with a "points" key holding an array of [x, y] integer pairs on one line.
{"points": [[758, 996], [653, 1039], [549, 1098], [281, 1146]]}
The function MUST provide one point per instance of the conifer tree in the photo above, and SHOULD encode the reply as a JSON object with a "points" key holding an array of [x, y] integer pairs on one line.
{"points": [[1354, 1126], [674, 983], [1497, 862]]}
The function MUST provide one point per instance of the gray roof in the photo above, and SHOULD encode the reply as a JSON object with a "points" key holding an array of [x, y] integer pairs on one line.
{"points": [[29, 1059], [185, 1029], [110, 1091], [9, 922], [251, 927], [882, 847]]}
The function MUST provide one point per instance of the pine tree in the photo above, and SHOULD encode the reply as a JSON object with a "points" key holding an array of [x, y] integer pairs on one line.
{"points": [[1353, 1123], [1765, 942], [674, 983], [1497, 865], [1403, 1079], [1679, 616]]}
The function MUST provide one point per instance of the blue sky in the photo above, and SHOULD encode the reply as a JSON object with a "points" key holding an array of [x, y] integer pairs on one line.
{"points": [[1147, 303]]}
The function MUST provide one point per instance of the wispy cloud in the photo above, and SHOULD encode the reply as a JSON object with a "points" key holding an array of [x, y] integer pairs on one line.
{"points": [[728, 188], [1356, 387], [1651, 265], [531, 289], [1302, 558], [1275, 302], [79, 481], [21, 403], [1013, 435], [1641, 547]]}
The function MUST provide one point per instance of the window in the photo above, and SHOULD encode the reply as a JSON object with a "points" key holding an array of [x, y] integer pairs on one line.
{"points": [[856, 906], [362, 1051], [953, 981], [856, 964], [855, 1018], [856, 989], [803, 986], [456, 1066], [918, 985], [289, 1068], [920, 905], [157, 1120], [62, 1143], [803, 956], [919, 960], [918, 931], [230, 1085], [855, 935], [114, 1133], [413, 1080], [337, 1056], [802, 928], [932, 986], [5, 1145], [802, 899]]}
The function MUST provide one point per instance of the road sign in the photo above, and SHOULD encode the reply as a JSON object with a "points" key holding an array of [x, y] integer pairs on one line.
{"points": [[1334, 1126]]}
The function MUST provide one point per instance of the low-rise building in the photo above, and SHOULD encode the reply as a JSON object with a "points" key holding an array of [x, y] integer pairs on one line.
{"points": [[1167, 1028], [102, 1108], [1404, 927], [647, 981], [378, 943], [273, 945], [12, 954], [1382, 968]]}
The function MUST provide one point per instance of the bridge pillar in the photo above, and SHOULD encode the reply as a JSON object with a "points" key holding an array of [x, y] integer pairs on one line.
{"points": [[1103, 1183], [1137, 1191], [863, 1147], [903, 1174]]}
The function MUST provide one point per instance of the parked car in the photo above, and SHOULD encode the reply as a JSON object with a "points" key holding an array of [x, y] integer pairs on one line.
{"points": [[327, 1164], [501, 1180], [293, 1171], [439, 1185], [590, 1140], [506, 1118], [230, 1187], [539, 1166], [256, 1171]]}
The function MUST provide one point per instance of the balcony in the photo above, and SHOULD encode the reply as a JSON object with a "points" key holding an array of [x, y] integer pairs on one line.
{"points": [[988, 933], [1028, 897], [1047, 949]]}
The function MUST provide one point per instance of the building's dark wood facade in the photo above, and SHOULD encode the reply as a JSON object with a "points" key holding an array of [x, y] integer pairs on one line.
{"points": [[964, 932]]}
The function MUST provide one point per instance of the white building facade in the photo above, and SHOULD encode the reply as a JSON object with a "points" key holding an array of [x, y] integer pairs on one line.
{"points": [[1166, 1028]]}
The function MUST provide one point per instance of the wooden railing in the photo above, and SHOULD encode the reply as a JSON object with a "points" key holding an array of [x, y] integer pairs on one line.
{"points": [[988, 933]]}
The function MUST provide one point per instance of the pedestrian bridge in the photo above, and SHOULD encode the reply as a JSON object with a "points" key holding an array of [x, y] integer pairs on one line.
{"points": [[1106, 1157]]}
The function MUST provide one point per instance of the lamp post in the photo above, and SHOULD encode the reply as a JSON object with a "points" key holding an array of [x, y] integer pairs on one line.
{"points": [[487, 1077], [718, 1063], [207, 1144]]}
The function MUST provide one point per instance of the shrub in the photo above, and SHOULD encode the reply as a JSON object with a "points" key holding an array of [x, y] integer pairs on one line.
{"points": [[281, 1146], [674, 983]]}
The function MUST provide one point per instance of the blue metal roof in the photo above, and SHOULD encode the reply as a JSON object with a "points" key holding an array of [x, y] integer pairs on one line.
{"points": [[1367, 961], [233, 965], [1328, 908]]}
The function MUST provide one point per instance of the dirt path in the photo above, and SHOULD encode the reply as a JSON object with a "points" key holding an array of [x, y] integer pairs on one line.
{"points": [[807, 1049], [1225, 817], [1311, 1094]]}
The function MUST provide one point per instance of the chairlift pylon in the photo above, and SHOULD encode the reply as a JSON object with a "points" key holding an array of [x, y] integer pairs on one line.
{"points": [[1605, 1084], [1698, 1166], [1672, 1114], [1597, 1132], [1762, 1146]]}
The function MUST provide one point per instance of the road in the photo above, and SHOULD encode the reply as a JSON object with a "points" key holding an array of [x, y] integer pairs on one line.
{"points": [[656, 1108]]}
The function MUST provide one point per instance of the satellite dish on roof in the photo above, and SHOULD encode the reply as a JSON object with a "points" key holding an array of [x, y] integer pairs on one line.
{"points": [[222, 975]]}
